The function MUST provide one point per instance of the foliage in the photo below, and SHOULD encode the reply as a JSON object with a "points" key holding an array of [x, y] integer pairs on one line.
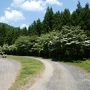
{"points": [[8, 34], [35, 28], [59, 35], [9, 49], [44, 42], [68, 43], [48, 20], [25, 45]]}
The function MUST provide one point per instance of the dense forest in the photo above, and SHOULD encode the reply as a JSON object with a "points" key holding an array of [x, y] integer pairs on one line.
{"points": [[61, 35]]}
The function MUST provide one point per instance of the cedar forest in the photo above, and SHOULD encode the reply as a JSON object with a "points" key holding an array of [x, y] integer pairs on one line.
{"points": [[61, 35]]}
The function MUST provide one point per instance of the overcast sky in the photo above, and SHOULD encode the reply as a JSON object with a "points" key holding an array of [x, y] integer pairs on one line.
{"points": [[24, 12]]}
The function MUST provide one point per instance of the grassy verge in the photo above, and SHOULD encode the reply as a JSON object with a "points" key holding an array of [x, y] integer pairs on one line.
{"points": [[83, 64], [29, 69]]}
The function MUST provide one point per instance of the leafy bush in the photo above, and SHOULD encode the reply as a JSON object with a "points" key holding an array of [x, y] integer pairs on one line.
{"points": [[68, 43], [9, 49], [25, 45], [64, 44]]}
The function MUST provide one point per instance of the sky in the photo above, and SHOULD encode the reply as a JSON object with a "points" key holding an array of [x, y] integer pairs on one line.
{"points": [[21, 13]]}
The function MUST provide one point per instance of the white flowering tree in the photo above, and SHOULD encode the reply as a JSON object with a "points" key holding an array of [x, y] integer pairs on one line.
{"points": [[67, 43]]}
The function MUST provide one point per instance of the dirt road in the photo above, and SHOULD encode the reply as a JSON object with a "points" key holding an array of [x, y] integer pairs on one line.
{"points": [[60, 76], [8, 72]]}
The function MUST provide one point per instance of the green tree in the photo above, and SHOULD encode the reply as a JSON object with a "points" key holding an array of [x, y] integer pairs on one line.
{"points": [[66, 17], [25, 45], [38, 27], [32, 29], [85, 22], [24, 31], [57, 21], [76, 15], [48, 20], [2, 34]]}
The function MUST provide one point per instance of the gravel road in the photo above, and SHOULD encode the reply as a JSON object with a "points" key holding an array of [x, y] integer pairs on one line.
{"points": [[60, 76], [8, 72]]}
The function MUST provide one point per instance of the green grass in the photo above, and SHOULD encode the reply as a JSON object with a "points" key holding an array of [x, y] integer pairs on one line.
{"points": [[83, 64], [29, 69]]}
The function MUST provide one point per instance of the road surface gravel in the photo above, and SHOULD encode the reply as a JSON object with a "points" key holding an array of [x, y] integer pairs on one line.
{"points": [[61, 76], [8, 72]]}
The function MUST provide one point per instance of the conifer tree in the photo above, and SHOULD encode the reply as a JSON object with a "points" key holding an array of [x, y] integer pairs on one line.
{"points": [[48, 20]]}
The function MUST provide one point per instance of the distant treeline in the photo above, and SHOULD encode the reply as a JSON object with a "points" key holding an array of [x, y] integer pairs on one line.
{"points": [[59, 35]]}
